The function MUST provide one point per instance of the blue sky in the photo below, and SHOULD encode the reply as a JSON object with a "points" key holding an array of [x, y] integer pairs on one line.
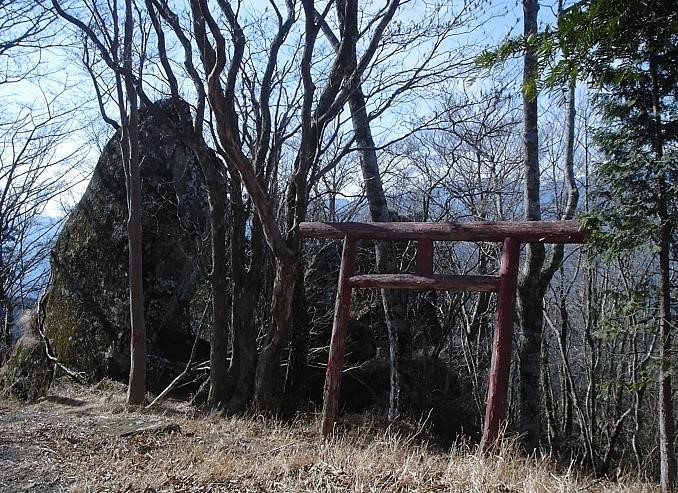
{"points": [[502, 18]]}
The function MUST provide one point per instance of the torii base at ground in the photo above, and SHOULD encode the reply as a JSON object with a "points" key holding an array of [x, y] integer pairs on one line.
{"points": [[510, 233]]}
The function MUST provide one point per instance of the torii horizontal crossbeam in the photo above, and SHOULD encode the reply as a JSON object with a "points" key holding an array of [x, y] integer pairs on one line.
{"points": [[522, 231]]}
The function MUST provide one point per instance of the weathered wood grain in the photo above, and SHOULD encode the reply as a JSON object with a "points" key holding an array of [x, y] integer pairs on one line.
{"points": [[523, 231], [424, 257], [335, 361], [500, 367], [437, 282]]}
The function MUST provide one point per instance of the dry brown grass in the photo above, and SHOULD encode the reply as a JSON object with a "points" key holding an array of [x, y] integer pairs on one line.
{"points": [[73, 442]]}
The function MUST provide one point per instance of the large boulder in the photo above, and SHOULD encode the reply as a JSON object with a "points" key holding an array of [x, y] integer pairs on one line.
{"points": [[87, 305]]}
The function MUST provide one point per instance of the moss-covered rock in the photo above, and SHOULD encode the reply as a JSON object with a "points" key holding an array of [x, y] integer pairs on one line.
{"points": [[28, 372], [87, 305]]}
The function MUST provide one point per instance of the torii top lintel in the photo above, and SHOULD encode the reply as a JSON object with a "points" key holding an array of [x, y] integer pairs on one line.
{"points": [[497, 231]]}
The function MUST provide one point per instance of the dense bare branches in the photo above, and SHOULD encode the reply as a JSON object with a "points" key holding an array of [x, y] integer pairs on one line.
{"points": [[288, 99], [35, 158], [25, 30]]}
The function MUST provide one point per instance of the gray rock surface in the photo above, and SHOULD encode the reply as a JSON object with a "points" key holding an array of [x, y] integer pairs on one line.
{"points": [[87, 306]]}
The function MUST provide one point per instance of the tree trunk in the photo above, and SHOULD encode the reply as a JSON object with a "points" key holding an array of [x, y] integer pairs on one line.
{"points": [[216, 195], [566, 392], [267, 380], [218, 394], [8, 324], [137, 376], [530, 289], [395, 309], [8, 319], [666, 432], [530, 311], [136, 390], [297, 362], [537, 271], [245, 286], [666, 459], [551, 428], [558, 250]]}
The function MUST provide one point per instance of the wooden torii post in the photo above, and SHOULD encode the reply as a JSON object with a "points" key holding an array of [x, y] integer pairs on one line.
{"points": [[510, 234]]}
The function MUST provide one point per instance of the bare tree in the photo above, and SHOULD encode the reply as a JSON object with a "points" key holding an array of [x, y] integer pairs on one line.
{"points": [[32, 169], [538, 269], [34, 158], [25, 29], [317, 111], [392, 84], [114, 40]]}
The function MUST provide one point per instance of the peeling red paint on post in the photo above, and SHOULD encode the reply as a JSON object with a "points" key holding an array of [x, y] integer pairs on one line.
{"points": [[497, 387], [335, 361]]}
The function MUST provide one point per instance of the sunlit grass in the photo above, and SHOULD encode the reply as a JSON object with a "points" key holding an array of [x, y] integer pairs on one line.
{"points": [[213, 453]]}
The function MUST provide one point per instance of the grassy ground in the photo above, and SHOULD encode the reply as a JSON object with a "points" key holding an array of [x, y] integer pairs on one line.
{"points": [[82, 440]]}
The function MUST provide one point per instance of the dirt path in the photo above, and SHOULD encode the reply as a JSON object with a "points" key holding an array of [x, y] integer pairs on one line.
{"points": [[74, 440], [39, 446]]}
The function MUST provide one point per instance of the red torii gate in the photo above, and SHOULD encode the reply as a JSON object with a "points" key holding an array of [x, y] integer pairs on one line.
{"points": [[510, 234]]}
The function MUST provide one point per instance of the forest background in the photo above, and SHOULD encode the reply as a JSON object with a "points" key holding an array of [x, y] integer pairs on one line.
{"points": [[401, 110]]}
